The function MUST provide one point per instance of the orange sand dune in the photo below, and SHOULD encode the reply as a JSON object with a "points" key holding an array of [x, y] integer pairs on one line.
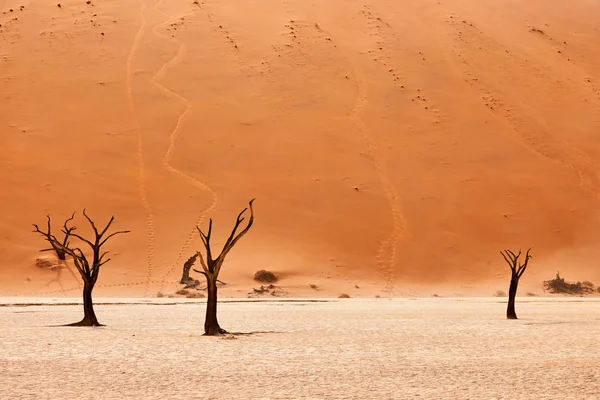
{"points": [[393, 145]]}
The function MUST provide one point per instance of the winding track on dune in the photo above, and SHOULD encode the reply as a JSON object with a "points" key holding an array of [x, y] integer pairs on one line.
{"points": [[166, 161], [387, 251], [140, 148], [399, 224]]}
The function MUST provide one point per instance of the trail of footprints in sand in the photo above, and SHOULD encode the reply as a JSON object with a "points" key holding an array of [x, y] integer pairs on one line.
{"points": [[381, 54], [150, 219], [529, 128], [173, 23], [561, 47], [298, 32], [386, 254], [9, 27], [235, 47], [107, 285]]}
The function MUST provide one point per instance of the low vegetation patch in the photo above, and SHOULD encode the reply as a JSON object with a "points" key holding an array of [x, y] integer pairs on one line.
{"points": [[182, 292], [344, 296], [559, 285], [270, 289], [500, 293], [45, 264], [265, 276]]}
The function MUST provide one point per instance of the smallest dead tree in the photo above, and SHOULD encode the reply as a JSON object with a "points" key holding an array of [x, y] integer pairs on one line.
{"points": [[212, 266], [517, 270]]}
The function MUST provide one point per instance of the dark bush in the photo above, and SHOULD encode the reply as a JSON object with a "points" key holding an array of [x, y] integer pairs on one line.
{"points": [[265, 276], [559, 285]]}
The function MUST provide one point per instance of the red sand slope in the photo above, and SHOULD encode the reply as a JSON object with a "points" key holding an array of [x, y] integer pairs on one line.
{"points": [[390, 144]]}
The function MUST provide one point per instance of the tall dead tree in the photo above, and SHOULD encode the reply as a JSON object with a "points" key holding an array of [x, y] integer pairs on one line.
{"points": [[517, 270], [56, 245], [212, 266], [89, 271]]}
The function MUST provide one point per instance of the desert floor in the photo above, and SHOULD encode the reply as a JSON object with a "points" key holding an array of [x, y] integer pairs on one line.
{"points": [[442, 348]]}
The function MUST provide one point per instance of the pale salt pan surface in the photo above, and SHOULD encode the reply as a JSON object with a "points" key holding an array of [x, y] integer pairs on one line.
{"points": [[340, 349]]}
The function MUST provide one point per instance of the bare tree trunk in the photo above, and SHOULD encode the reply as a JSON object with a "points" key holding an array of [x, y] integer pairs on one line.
{"points": [[89, 316], [211, 324], [512, 293], [185, 277]]}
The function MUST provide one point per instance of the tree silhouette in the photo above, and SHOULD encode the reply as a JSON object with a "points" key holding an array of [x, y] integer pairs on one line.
{"points": [[211, 267], [517, 270], [89, 271]]}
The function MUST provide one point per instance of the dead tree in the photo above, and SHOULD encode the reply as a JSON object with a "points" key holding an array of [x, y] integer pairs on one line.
{"points": [[212, 266], [89, 271], [185, 277], [517, 270], [56, 245]]}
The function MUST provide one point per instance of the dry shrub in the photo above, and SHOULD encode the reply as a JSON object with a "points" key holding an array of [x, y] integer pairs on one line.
{"points": [[559, 285], [265, 276], [499, 293], [182, 292], [344, 296], [43, 263], [530, 294], [313, 286], [160, 294], [195, 295], [271, 289]]}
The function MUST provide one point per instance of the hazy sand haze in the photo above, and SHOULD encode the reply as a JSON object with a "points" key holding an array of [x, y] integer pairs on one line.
{"points": [[400, 143]]}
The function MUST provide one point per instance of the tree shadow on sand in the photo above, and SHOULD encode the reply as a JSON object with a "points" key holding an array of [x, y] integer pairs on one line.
{"points": [[235, 335]]}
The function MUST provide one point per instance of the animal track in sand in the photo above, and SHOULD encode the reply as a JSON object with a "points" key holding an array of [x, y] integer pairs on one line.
{"points": [[530, 129], [561, 48], [386, 39], [140, 145], [226, 34], [399, 224], [176, 131], [108, 285], [380, 54], [386, 253], [299, 32]]}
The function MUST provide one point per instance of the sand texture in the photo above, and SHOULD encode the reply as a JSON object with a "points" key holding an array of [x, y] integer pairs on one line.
{"points": [[390, 143], [347, 349]]}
